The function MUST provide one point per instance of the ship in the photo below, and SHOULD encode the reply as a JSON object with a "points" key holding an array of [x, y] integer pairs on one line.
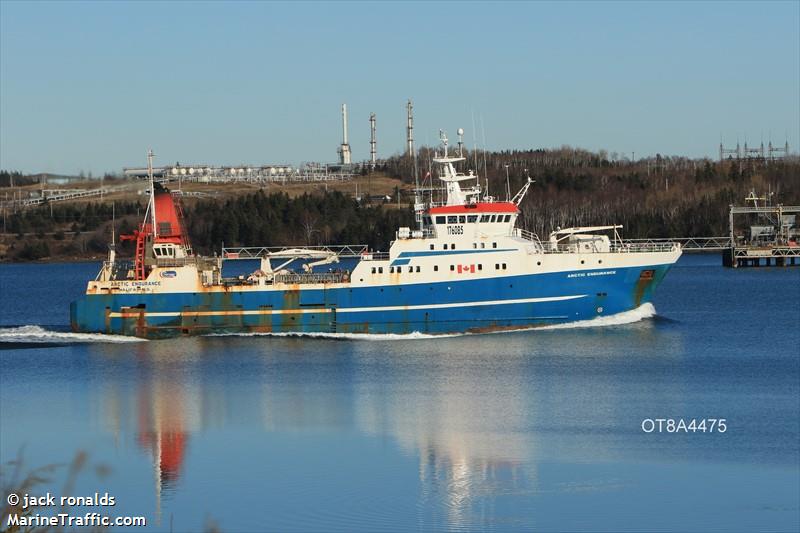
{"points": [[465, 267]]}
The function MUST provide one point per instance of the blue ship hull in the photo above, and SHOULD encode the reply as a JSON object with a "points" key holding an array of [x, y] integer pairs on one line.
{"points": [[441, 307]]}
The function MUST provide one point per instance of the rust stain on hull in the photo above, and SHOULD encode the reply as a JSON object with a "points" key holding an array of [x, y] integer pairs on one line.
{"points": [[646, 278]]}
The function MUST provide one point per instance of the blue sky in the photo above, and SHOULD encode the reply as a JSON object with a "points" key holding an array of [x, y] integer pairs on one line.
{"points": [[91, 85]]}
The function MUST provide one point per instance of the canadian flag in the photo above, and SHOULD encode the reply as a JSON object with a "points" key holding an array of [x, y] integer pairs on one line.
{"points": [[466, 268]]}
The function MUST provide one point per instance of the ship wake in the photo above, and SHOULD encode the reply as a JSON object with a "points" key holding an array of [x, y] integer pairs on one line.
{"points": [[31, 335], [643, 312]]}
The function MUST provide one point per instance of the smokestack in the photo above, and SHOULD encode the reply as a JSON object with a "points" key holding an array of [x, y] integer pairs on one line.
{"points": [[344, 149], [344, 124], [410, 128], [373, 153]]}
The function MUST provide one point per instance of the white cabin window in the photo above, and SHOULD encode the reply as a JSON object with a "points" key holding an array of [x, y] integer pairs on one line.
{"points": [[507, 218]]}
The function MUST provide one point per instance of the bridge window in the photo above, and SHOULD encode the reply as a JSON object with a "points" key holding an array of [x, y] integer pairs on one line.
{"points": [[440, 220], [492, 219], [472, 218], [462, 219], [485, 218], [507, 218], [452, 219]]}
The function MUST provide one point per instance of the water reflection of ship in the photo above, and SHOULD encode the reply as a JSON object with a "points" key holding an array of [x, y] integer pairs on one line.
{"points": [[161, 432], [158, 406], [467, 428]]}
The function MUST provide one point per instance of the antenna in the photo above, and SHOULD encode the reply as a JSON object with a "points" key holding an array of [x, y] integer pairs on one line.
{"points": [[483, 133], [152, 205], [460, 142], [508, 185], [474, 143]]}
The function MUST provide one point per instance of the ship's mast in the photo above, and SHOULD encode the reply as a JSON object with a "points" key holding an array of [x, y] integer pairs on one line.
{"points": [[152, 205]]}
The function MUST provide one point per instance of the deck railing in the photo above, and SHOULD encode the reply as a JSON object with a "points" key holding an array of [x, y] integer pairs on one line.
{"points": [[293, 278]]}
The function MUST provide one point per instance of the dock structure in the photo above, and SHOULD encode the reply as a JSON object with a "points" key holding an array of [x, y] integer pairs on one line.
{"points": [[762, 235], [274, 174], [54, 195]]}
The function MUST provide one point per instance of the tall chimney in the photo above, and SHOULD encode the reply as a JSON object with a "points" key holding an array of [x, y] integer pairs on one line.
{"points": [[410, 128], [344, 149], [373, 153]]}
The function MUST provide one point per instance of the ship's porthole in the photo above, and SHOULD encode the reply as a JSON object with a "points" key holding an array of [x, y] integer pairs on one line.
{"points": [[538, 263], [599, 309], [599, 261], [582, 261]]}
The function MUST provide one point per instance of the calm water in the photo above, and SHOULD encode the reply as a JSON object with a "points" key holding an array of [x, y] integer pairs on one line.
{"points": [[528, 430]]}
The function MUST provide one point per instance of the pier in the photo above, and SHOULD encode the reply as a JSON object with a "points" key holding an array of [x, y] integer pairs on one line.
{"points": [[768, 237]]}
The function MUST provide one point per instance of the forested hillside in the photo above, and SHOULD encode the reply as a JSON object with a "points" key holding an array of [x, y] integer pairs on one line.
{"points": [[659, 197]]}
